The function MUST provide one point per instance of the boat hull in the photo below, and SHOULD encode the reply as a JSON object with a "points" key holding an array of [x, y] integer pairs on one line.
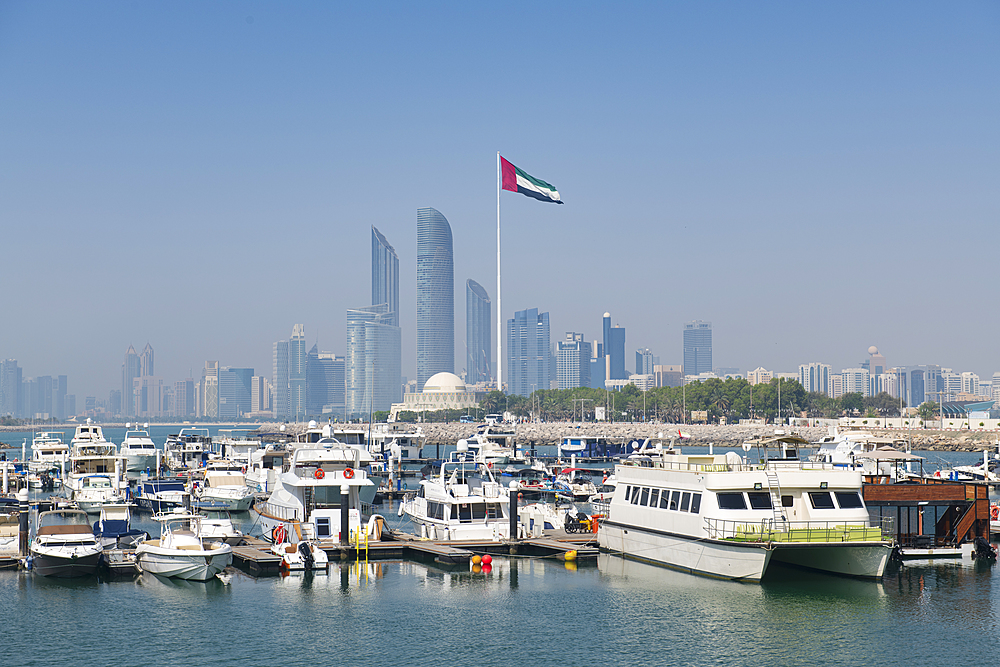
{"points": [[139, 463], [52, 565], [193, 565], [864, 560]]}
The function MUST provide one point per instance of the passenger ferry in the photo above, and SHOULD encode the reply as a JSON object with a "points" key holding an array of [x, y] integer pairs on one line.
{"points": [[722, 516]]}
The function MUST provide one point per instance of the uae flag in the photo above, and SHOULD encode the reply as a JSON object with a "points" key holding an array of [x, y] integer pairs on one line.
{"points": [[517, 180]]}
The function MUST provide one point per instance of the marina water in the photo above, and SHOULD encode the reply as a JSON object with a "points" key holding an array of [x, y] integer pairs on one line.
{"points": [[523, 612]]}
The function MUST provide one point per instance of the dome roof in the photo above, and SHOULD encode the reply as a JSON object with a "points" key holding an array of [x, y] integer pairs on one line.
{"points": [[441, 383]]}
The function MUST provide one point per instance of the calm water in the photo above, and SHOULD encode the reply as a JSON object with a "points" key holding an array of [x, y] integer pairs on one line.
{"points": [[525, 612]]}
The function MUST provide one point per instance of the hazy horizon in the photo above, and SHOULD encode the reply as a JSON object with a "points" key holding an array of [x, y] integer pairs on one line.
{"points": [[812, 179]]}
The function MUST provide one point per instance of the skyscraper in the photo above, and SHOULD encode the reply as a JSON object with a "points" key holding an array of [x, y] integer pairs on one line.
{"points": [[815, 377], [573, 361], [146, 361], [235, 388], [435, 296], [297, 373], [385, 274], [645, 362], [10, 388], [210, 390], [130, 371], [697, 347], [529, 352], [478, 319], [614, 349], [373, 376], [279, 380]]}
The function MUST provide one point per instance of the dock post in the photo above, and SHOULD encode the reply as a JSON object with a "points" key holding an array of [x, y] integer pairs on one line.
{"points": [[22, 506], [513, 514], [345, 512]]}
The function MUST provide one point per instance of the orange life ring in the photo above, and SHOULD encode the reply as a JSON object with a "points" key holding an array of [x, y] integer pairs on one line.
{"points": [[278, 534], [994, 512], [319, 474], [349, 473]]}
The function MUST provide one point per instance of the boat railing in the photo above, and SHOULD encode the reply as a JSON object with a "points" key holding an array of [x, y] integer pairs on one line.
{"points": [[275, 511], [770, 530], [731, 466]]}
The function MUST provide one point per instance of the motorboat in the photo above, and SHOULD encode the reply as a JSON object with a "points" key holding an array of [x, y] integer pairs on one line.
{"points": [[537, 517], [235, 445], [225, 485], [64, 545], [460, 501], [400, 440], [307, 503], [114, 529], [723, 515], [846, 448], [494, 442], [182, 551], [301, 555], [93, 457], [161, 494], [140, 453], [591, 446], [574, 484], [605, 492], [217, 524], [49, 453], [189, 449]]}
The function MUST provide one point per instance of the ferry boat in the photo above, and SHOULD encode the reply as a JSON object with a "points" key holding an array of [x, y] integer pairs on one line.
{"points": [[461, 501], [720, 516]]}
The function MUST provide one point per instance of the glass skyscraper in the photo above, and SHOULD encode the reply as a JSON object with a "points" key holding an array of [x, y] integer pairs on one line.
{"points": [[435, 296], [385, 274], [130, 371], [297, 373], [372, 369], [529, 357], [279, 380], [478, 319], [697, 347]]}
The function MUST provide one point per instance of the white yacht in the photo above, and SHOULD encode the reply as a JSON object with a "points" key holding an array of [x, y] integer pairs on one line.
{"points": [[408, 438], [265, 466], [65, 545], [236, 445], [96, 475], [461, 501], [721, 516], [306, 502], [225, 485], [139, 452], [182, 550], [495, 443], [49, 453], [188, 449]]}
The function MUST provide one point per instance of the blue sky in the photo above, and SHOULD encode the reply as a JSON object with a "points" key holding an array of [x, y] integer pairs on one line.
{"points": [[813, 178]]}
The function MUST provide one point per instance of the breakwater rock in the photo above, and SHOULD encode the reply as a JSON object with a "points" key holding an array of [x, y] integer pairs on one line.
{"points": [[551, 433]]}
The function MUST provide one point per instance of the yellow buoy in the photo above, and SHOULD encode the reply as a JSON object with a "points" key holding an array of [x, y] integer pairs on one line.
{"points": [[570, 556], [476, 560]]}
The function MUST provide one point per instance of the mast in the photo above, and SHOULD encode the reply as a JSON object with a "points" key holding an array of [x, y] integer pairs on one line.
{"points": [[499, 309]]}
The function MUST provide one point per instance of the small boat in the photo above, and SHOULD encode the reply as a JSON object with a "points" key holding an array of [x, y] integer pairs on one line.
{"points": [[161, 495], [96, 491], [182, 551], [218, 525], [65, 545], [300, 556], [139, 452], [114, 529], [225, 485], [574, 484]]}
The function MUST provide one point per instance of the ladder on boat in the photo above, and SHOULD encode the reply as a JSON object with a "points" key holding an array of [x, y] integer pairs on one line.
{"points": [[774, 486]]}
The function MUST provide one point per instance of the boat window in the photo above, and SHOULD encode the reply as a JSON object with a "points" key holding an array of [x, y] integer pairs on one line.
{"points": [[731, 501], [644, 499], [759, 500], [685, 501], [821, 500], [326, 496], [665, 500], [628, 490], [654, 498], [848, 500], [786, 501], [479, 510], [675, 498], [635, 495], [323, 526], [420, 493], [695, 503]]}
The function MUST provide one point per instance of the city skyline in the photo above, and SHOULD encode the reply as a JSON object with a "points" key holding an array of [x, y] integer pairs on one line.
{"points": [[222, 148]]}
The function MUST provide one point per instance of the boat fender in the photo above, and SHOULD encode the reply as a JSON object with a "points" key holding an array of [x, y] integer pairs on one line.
{"points": [[349, 473], [319, 474]]}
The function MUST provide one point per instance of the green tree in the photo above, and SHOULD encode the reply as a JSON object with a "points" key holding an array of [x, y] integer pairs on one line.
{"points": [[927, 410]]}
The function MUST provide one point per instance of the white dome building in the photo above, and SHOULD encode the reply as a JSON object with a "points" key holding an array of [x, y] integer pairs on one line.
{"points": [[442, 391]]}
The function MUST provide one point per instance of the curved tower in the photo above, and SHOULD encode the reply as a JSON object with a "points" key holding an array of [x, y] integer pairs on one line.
{"points": [[435, 296], [478, 321]]}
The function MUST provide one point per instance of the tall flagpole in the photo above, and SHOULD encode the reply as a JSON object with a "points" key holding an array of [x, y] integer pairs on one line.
{"points": [[499, 310]]}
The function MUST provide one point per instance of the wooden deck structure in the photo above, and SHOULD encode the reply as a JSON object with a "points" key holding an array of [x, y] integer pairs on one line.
{"points": [[930, 513]]}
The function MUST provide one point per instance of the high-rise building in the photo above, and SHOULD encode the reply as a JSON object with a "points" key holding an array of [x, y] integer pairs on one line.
{"points": [[385, 274], [260, 394], [59, 398], [297, 373], [916, 395], [209, 394], [235, 387], [130, 371], [373, 376], [815, 377], [855, 381], [697, 347], [10, 388], [435, 296], [325, 383], [147, 395], [529, 352], [614, 350], [184, 398], [876, 368], [146, 361], [645, 362], [573, 364], [478, 319]]}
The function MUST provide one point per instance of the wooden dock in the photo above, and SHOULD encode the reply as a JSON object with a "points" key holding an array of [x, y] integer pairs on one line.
{"points": [[252, 555]]}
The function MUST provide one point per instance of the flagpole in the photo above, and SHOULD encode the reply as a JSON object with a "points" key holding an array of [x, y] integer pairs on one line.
{"points": [[499, 310]]}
